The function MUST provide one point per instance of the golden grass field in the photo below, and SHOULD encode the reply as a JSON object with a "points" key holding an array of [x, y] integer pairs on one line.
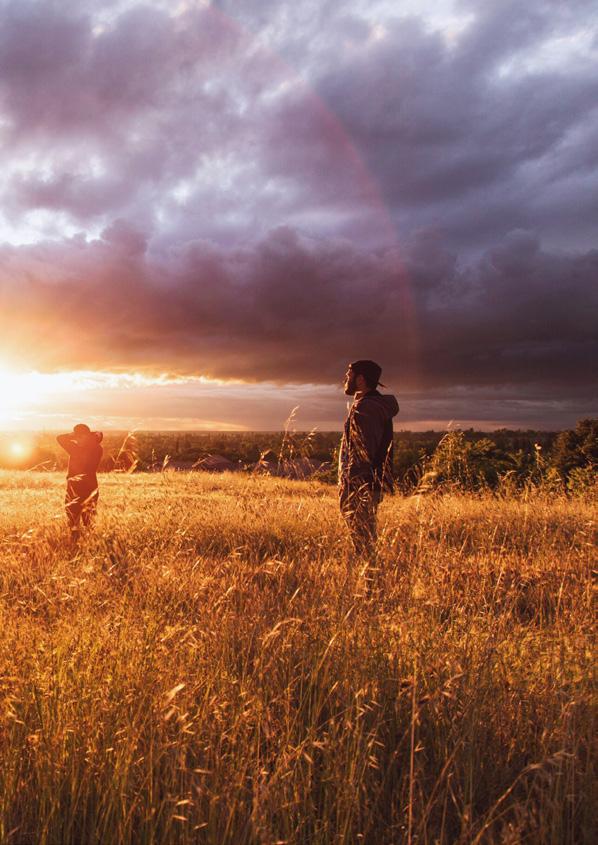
{"points": [[205, 667]]}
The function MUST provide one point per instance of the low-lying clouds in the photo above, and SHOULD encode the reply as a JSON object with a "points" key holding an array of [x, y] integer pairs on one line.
{"points": [[266, 191], [290, 309]]}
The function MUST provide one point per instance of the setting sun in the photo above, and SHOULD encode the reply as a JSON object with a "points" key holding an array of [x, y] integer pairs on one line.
{"points": [[14, 451]]}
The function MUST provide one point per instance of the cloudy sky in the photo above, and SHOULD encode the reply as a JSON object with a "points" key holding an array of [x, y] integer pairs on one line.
{"points": [[208, 209]]}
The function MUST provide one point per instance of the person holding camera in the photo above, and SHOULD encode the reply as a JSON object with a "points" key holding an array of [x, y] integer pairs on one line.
{"points": [[82, 494]]}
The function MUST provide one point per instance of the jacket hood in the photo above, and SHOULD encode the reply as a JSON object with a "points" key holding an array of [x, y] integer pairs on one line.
{"points": [[385, 402]]}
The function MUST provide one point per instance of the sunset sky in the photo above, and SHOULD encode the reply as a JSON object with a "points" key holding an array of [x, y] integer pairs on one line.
{"points": [[208, 209]]}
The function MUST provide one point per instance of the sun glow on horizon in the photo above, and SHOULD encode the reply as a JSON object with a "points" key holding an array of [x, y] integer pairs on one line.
{"points": [[31, 398], [14, 450], [22, 392]]}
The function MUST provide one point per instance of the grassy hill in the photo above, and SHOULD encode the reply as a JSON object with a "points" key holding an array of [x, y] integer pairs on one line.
{"points": [[205, 667]]}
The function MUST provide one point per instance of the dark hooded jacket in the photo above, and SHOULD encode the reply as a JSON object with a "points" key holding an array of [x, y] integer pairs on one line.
{"points": [[366, 451], [84, 459]]}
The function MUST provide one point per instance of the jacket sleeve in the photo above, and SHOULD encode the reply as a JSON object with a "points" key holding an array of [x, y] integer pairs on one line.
{"points": [[366, 435], [67, 442]]}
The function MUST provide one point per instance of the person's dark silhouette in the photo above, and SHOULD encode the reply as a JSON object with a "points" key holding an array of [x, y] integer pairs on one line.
{"points": [[85, 454], [366, 454]]}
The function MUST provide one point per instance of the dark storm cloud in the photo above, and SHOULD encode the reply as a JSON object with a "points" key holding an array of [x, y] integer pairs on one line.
{"points": [[449, 137], [104, 121], [62, 76], [284, 187], [291, 309]]}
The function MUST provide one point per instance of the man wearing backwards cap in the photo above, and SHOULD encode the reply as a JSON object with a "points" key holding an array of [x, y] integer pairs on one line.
{"points": [[365, 457]]}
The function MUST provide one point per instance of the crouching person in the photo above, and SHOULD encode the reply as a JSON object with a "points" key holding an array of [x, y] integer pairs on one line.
{"points": [[85, 454], [365, 457]]}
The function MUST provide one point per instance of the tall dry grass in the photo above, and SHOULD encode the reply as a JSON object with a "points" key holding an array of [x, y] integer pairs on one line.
{"points": [[204, 668]]}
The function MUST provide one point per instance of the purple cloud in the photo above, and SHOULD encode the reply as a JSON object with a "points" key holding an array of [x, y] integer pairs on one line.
{"points": [[282, 188]]}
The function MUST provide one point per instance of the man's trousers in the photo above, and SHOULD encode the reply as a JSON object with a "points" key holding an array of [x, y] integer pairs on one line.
{"points": [[81, 502], [359, 507]]}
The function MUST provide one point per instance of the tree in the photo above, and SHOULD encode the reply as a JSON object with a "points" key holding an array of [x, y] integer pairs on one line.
{"points": [[576, 449]]}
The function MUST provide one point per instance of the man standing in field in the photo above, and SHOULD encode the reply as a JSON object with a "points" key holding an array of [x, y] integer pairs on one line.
{"points": [[365, 457], [85, 454]]}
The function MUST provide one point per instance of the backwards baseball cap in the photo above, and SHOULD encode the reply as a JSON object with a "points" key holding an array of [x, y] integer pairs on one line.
{"points": [[369, 370]]}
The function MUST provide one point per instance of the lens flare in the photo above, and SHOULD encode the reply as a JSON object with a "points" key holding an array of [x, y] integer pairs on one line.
{"points": [[16, 452]]}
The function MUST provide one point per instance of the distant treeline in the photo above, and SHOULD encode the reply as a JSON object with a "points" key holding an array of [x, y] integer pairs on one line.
{"points": [[430, 459]]}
